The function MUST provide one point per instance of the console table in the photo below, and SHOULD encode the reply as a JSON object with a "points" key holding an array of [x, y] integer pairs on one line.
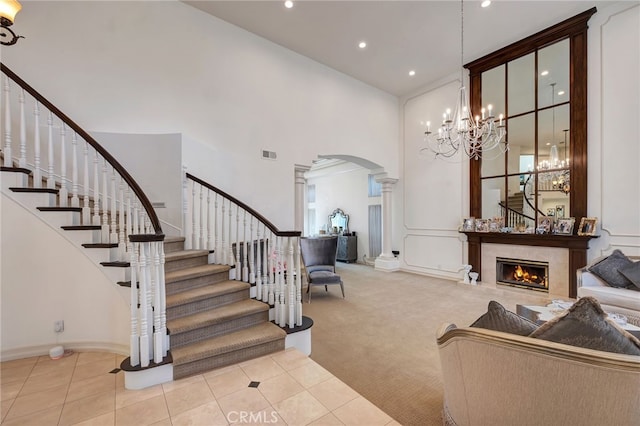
{"points": [[347, 248]]}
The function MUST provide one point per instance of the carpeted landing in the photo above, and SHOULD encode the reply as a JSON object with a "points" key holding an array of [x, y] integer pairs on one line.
{"points": [[380, 340]]}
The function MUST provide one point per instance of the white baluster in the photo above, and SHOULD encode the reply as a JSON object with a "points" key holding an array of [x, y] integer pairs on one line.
{"points": [[203, 220], [238, 259], [265, 260], [8, 159], [158, 338], [291, 285], [63, 194], [134, 340], [245, 256], [113, 237], [225, 255], [283, 285], [163, 300], [194, 212], [96, 191], [37, 172], [136, 218], [270, 296], [122, 252], [75, 201], [211, 245], [252, 255], [276, 292], [104, 237], [129, 222], [298, 283], [258, 262], [86, 210], [51, 179], [22, 162], [216, 253], [186, 222], [230, 252]]}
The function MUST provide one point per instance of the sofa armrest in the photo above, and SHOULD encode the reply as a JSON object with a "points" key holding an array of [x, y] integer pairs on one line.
{"points": [[589, 279]]}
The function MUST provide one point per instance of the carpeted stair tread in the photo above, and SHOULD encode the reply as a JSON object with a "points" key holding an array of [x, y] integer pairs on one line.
{"points": [[219, 315], [206, 292], [184, 254], [194, 272], [238, 340]]}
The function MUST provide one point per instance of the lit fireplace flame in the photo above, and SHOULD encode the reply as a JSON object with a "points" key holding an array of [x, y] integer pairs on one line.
{"points": [[521, 275]]}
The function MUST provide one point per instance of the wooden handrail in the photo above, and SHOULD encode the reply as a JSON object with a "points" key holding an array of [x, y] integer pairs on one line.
{"points": [[501, 204], [153, 217], [245, 207]]}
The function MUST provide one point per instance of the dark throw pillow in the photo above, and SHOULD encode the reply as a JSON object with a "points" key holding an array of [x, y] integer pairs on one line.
{"points": [[632, 273], [586, 325], [499, 319], [609, 269]]}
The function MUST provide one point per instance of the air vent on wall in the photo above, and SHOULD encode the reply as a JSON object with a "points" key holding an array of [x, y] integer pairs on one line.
{"points": [[269, 155]]}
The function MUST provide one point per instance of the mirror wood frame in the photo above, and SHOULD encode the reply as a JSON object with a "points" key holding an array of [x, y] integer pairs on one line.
{"points": [[575, 29]]}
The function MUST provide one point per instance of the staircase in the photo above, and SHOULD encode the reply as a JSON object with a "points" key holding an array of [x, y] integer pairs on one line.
{"points": [[516, 202], [212, 320]]}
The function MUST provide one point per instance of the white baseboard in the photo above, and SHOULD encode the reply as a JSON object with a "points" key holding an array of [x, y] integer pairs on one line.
{"points": [[39, 350]]}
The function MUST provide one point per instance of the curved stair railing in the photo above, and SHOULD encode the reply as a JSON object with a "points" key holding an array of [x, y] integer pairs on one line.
{"points": [[83, 176], [514, 217], [237, 235]]}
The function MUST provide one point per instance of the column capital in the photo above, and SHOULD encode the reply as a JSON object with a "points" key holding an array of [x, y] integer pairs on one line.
{"points": [[386, 182]]}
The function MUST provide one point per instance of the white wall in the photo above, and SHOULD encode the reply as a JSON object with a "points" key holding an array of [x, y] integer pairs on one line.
{"points": [[165, 67], [46, 278], [614, 128]]}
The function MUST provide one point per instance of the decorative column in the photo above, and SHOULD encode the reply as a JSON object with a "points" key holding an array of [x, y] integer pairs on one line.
{"points": [[300, 182], [387, 261]]}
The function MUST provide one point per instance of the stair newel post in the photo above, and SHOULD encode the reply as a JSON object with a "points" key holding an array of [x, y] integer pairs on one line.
{"points": [[63, 194], [8, 159], [185, 209], [245, 258], [252, 254], [158, 338], [75, 200], [37, 173], [105, 199], [225, 255], [86, 210], [51, 180], [194, 214], [298, 282], [22, 162], [134, 340], [113, 236], [291, 285], [144, 306], [96, 189], [122, 248], [258, 261]]}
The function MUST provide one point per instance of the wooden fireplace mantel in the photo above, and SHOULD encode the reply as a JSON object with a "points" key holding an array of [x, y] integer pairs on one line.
{"points": [[576, 244]]}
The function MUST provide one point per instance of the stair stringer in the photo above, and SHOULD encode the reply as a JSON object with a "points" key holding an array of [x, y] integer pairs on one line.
{"points": [[46, 277]]}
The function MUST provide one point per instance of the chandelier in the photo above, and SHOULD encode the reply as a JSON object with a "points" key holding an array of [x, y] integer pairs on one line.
{"points": [[474, 136], [8, 11]]}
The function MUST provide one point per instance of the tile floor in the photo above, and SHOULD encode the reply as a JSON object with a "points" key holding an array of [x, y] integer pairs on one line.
{"points": [[80, 389]]}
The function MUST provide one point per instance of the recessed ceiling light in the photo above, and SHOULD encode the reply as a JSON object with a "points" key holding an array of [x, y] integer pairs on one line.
{"points": [[288, 4], [412, 73], [548, 143], [545, 72], [560, 93], [362, 45], [485, 3]]}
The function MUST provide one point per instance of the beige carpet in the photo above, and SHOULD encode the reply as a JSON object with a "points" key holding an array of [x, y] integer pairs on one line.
{"points": [[380, 340]]}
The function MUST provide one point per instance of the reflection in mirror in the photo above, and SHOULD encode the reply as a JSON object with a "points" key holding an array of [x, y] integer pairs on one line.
{"points": [[493, 197], [493, 90], [553, 128], [553, 68], [521, 142], [338, 222], [521, 89]]}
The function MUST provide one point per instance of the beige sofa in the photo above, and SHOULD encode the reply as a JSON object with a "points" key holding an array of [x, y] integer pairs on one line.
{"points": [[612, 299], [495, 378]]}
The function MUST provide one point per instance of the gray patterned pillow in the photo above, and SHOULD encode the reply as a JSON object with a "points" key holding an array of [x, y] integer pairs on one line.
{"points": [[632, 273], [499, 319], [609, 269], [586, 325]]}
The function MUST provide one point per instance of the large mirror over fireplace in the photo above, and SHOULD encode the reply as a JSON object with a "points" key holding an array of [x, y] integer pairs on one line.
{"points": [[540, 82]]}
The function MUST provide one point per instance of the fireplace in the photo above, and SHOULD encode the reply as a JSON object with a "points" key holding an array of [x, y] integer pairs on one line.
{"points": [[528, 274]]}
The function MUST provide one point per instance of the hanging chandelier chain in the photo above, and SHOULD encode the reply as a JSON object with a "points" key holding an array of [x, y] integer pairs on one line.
{"points": [[462, 41]]}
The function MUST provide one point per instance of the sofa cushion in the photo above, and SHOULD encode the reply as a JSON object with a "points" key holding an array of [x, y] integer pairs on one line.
{"points": [[612, 296], [609, 268], [632, 273], [499, 319], [586, 325]]}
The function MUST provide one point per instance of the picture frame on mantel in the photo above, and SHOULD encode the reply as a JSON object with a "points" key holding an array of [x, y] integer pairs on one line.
{"points": [[565, 226], [587, 226]]}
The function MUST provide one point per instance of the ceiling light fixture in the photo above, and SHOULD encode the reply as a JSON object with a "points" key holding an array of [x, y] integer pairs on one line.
{"points": [[362, 45], [461, 131], [485, 3], [8, 11], [545, 72], [560, 93], [412, 73], [288, 4]]}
